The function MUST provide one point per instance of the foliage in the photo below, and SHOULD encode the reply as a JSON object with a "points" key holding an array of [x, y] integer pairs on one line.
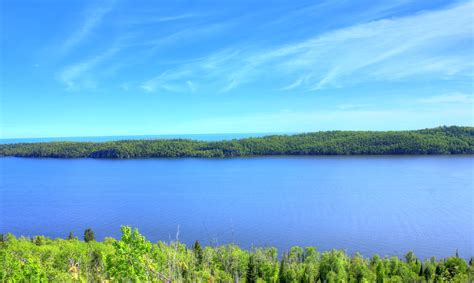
{"points": [[135, 259], [89, 235], [441, 140]]}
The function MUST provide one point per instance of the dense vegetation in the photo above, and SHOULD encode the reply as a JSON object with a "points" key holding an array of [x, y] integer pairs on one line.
{"points": [[133, 258], [442, 140]]}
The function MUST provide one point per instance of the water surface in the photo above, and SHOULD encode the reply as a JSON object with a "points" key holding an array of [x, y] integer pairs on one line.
{"points": [[380, 204]]}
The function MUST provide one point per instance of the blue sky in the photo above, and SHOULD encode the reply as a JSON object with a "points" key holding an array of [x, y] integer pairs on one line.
{"points": [[97, 68]]}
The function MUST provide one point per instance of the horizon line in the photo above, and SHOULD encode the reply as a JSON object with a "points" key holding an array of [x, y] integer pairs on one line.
{"points": [[227, 133]]}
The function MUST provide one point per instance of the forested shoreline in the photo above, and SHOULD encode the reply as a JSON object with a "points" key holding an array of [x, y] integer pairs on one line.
{"points": [[441, 140], [134, 259]]}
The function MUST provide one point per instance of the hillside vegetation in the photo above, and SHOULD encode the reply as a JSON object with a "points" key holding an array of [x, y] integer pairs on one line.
{"points": [[135, 259], [441, 140]]}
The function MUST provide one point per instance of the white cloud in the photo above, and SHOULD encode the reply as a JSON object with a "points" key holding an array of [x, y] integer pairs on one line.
{"points": [[125, 86], [384, 50], [449, 98], [147, 19], [405, 48], [168, 81], [192, 86], [72, 76], [295, 84], [92, 18], [351, 106]]}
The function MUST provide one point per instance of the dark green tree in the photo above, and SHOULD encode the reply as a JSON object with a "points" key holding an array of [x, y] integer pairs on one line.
{"points": [[71, 236], [252, 275], [429, 271], [89, 235], [422, 270], [380, 272], [198, 252], [282, 269], [410, 257], [40, 240]]}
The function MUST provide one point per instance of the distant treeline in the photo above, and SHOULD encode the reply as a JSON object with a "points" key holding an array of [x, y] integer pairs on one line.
{"points": [[441, 140], [134, 259]]}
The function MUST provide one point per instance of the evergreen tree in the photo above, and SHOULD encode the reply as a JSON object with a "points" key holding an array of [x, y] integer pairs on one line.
{"points": [[380, 273], [421, 272], [429, 271], [251, 270], [71, 236], [89, 235], [198, 252], [39, 240], [282, 269], [410, 257]]}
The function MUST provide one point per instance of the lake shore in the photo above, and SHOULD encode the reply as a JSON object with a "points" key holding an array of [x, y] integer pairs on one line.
{"points": [[435, 141]]}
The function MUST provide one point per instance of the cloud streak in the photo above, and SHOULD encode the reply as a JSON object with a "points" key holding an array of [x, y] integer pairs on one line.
{"points": [[448, 98], [72, 76], [411, 47], [92, 19]]}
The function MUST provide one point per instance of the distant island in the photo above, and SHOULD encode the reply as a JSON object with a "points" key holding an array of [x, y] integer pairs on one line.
{"points": [[440, 140]]}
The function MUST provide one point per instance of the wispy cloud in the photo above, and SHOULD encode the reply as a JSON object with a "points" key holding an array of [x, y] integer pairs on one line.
{"points": [[72, 76], [92, 18], [192, 86], [384, 50], [421, 45], [168, 81], [195, 32], [461, 98], [147, 20], [351, 106]]}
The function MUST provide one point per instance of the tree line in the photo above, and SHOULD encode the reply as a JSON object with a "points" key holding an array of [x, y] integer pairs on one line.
{"points": [[441, 140], [134, 259]]}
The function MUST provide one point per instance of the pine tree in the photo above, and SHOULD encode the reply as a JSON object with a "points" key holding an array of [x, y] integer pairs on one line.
{"points": [[282, 270], [198, 252], [89, 235], [71, 236], [410, 257], [251, 270], [380, 273], [39, 240], [422, 271]]}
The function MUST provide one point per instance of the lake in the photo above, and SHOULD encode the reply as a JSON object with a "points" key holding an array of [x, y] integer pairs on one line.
{"points": [[370, 204]]}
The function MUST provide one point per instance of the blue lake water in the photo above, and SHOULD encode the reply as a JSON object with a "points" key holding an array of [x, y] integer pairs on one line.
{"points": [[380, 204]]}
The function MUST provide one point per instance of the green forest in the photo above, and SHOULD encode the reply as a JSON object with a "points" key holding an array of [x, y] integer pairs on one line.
{"points": [[134, 259], [441, 140]]}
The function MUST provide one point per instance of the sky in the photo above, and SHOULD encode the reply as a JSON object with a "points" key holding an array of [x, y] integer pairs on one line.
{"points": [[144, 67]]}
